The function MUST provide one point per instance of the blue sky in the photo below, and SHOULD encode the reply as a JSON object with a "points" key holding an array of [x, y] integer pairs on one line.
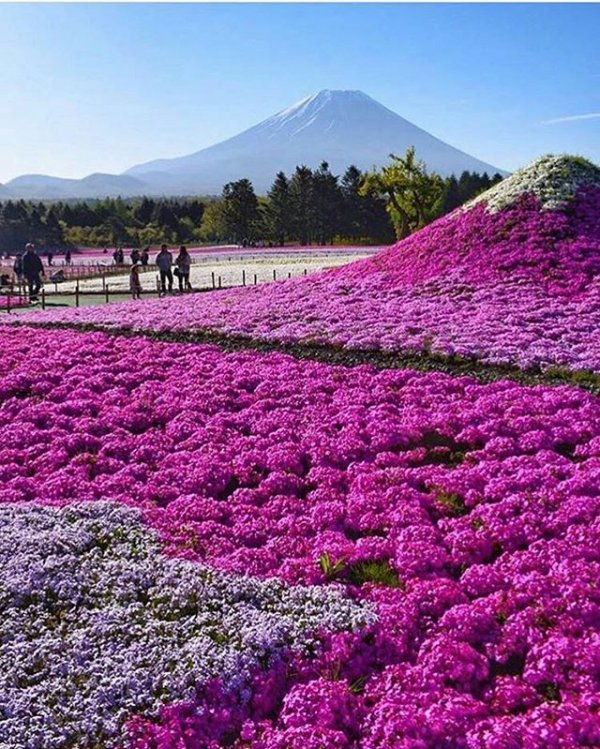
{"points": [[102, 87]]}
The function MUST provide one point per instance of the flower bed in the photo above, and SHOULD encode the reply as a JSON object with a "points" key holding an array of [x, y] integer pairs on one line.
{"points": [[11, 302], [465, 514], [516, 283], [97, 624]]}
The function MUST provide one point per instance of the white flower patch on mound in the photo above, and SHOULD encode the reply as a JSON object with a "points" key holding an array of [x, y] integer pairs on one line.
{"points": [[96, 625], [553, 180]]}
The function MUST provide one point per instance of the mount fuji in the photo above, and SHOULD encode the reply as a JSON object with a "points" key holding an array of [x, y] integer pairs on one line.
{"points": [[340, 127]]}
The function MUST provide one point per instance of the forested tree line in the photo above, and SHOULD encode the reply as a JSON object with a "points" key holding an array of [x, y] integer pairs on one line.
{"points": [[311, 206], [111, 221]]}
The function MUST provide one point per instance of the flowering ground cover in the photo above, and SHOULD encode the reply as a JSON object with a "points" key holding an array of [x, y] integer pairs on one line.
{"points": [[511, 279], [7, 304], [98, 624], [464, 515]]}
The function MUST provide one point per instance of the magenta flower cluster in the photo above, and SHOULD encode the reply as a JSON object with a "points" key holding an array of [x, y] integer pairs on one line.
{"points": [[466, 515], [517, 286]]}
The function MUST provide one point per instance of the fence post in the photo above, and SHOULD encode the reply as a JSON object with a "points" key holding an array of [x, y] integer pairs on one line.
{"points": [[243, 277], [219, 281], [255, 279], [213, 278], [106, 292], [274, 274], [77, 294], [43, 298], [305, 272], [103, 281], [289, 274]]}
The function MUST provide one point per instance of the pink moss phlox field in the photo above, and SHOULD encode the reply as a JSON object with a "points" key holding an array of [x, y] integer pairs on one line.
{"points": [[517, 286], [7, 303], [466, 514]]}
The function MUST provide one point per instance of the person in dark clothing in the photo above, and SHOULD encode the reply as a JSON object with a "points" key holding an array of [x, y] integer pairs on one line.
{"points": [[33, 269], [183, 262], [49, 257], [68, 257], [135, 257], [164, 261], [145, 256]]}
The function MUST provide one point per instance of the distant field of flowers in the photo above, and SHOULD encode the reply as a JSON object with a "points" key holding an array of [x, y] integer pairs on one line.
{"points": [[245, 550]]}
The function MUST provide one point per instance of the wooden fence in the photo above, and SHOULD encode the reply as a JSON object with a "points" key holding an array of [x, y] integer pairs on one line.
{"points": [[16, 296]]}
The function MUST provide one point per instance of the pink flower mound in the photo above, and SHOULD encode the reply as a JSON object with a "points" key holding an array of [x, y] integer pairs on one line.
{"points": [[466, 514], [557, 249]]}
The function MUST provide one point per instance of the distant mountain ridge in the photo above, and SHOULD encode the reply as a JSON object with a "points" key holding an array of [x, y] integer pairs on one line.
{"points": [[340, 127]]}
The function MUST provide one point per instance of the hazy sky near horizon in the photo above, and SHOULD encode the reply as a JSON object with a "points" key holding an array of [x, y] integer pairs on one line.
{"points": [[88, 88]]}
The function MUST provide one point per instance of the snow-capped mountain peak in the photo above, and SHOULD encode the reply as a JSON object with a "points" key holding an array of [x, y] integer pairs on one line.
{"points": [[340, 127]]}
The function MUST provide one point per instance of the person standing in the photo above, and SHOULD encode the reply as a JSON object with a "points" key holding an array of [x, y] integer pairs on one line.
{"points": [[183, 261], [135, 283], [18, 268], [145, 256], [68, 257], [164, 261], [135, 256], [33, 269]]}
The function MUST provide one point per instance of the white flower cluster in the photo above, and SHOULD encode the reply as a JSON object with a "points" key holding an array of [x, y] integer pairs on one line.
{"points": [[553, 180], [97, 625]]}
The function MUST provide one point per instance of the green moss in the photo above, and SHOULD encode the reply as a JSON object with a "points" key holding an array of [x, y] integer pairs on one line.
{"points": [[374, 571], [453, 503]]}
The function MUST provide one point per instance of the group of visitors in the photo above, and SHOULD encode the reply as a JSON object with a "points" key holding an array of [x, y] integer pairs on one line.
{"points": [[180, 267], [137, 256], [29, 268]]}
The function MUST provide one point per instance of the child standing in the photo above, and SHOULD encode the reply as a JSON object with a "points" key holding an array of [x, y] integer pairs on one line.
{"points": [[135, 284]]}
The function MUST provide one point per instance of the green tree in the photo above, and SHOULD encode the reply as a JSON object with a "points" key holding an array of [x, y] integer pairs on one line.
{"points": [[279, 209], [327, 204], [53, 230], [301, 194], [240, 210], [143, 212], [451, 198], [364, 217], [409, 191], [353, 201], [213, 227], [164, 217]]}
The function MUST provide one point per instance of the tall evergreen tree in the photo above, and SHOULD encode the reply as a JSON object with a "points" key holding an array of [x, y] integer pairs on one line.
{"points": [[451, 198], [144, 211], [53, 230], [240, 210], [279, 209], [327, 203], [301, 194]]}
